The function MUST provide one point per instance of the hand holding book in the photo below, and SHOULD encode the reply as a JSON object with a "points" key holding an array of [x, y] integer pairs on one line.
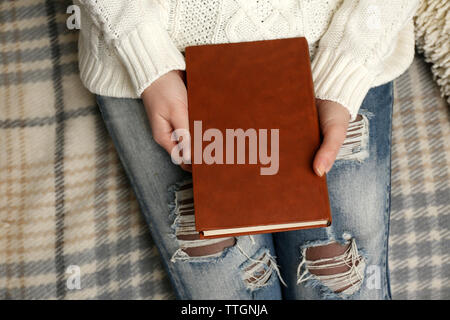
{"points": [[166, 105], [165, 101]]}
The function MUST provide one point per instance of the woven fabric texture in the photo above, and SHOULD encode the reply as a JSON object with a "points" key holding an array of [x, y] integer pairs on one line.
{"points": [[65, 202]]}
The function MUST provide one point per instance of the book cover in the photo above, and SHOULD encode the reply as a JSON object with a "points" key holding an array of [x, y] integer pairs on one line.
{"points": [[254, 133]]}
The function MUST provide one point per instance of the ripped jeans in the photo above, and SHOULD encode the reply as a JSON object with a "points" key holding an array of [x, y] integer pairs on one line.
{"points": [[277, 265]]}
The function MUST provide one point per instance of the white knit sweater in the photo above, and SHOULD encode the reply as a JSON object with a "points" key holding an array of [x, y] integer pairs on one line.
{"points": [[125, 45]]}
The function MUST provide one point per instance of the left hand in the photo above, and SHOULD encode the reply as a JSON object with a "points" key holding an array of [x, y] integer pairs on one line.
{"points": [[333, 119]]}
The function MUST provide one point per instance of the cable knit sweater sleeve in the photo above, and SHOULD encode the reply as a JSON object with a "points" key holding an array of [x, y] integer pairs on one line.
{"points": [[354, 50], [136, 34]]}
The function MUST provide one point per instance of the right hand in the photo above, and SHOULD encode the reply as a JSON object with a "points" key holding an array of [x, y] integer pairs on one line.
{"points": [[165, 101]]}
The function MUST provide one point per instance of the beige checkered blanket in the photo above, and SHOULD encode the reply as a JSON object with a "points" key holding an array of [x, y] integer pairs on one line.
{"points": [[66, 208]]}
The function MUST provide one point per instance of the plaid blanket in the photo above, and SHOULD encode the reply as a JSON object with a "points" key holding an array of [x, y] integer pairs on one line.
{"points": [[65, 204], [70, 227], [420, 217]]}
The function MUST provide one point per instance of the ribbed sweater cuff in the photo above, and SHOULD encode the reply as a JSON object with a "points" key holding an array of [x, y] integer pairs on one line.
{"points": [[340, 78], [148, 53]]}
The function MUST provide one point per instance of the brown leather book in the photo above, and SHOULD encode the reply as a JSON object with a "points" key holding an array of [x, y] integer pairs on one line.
{"points": [[258, 179]]}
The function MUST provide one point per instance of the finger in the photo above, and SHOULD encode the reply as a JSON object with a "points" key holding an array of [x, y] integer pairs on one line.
{"points": [[334, 136], [180, 120], [186, 167], [164, 140], [162, 132]]}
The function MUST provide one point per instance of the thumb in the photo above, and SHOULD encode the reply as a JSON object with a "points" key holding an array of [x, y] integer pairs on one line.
{"points": [[334, 136], [334, 119]]}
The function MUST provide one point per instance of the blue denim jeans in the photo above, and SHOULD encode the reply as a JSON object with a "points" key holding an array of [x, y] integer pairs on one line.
{"points": [[272, 266]]}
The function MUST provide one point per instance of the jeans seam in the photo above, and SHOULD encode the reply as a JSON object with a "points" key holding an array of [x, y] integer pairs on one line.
{"points": [[388, 206]]}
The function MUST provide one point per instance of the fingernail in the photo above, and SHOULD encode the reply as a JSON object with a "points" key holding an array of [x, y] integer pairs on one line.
{"points": [[320, 170]]}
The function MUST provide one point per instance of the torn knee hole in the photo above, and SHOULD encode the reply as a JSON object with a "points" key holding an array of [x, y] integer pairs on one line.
{"points": [[258, 271], [206, 248], [355, 144], [338, 267], [191, 245]]}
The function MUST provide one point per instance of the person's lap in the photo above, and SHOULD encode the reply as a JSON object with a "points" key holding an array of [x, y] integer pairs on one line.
{"points": [[359, 196]]}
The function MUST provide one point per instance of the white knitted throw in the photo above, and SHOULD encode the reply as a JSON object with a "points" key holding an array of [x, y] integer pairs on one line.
{"points": [[432, 28]]}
